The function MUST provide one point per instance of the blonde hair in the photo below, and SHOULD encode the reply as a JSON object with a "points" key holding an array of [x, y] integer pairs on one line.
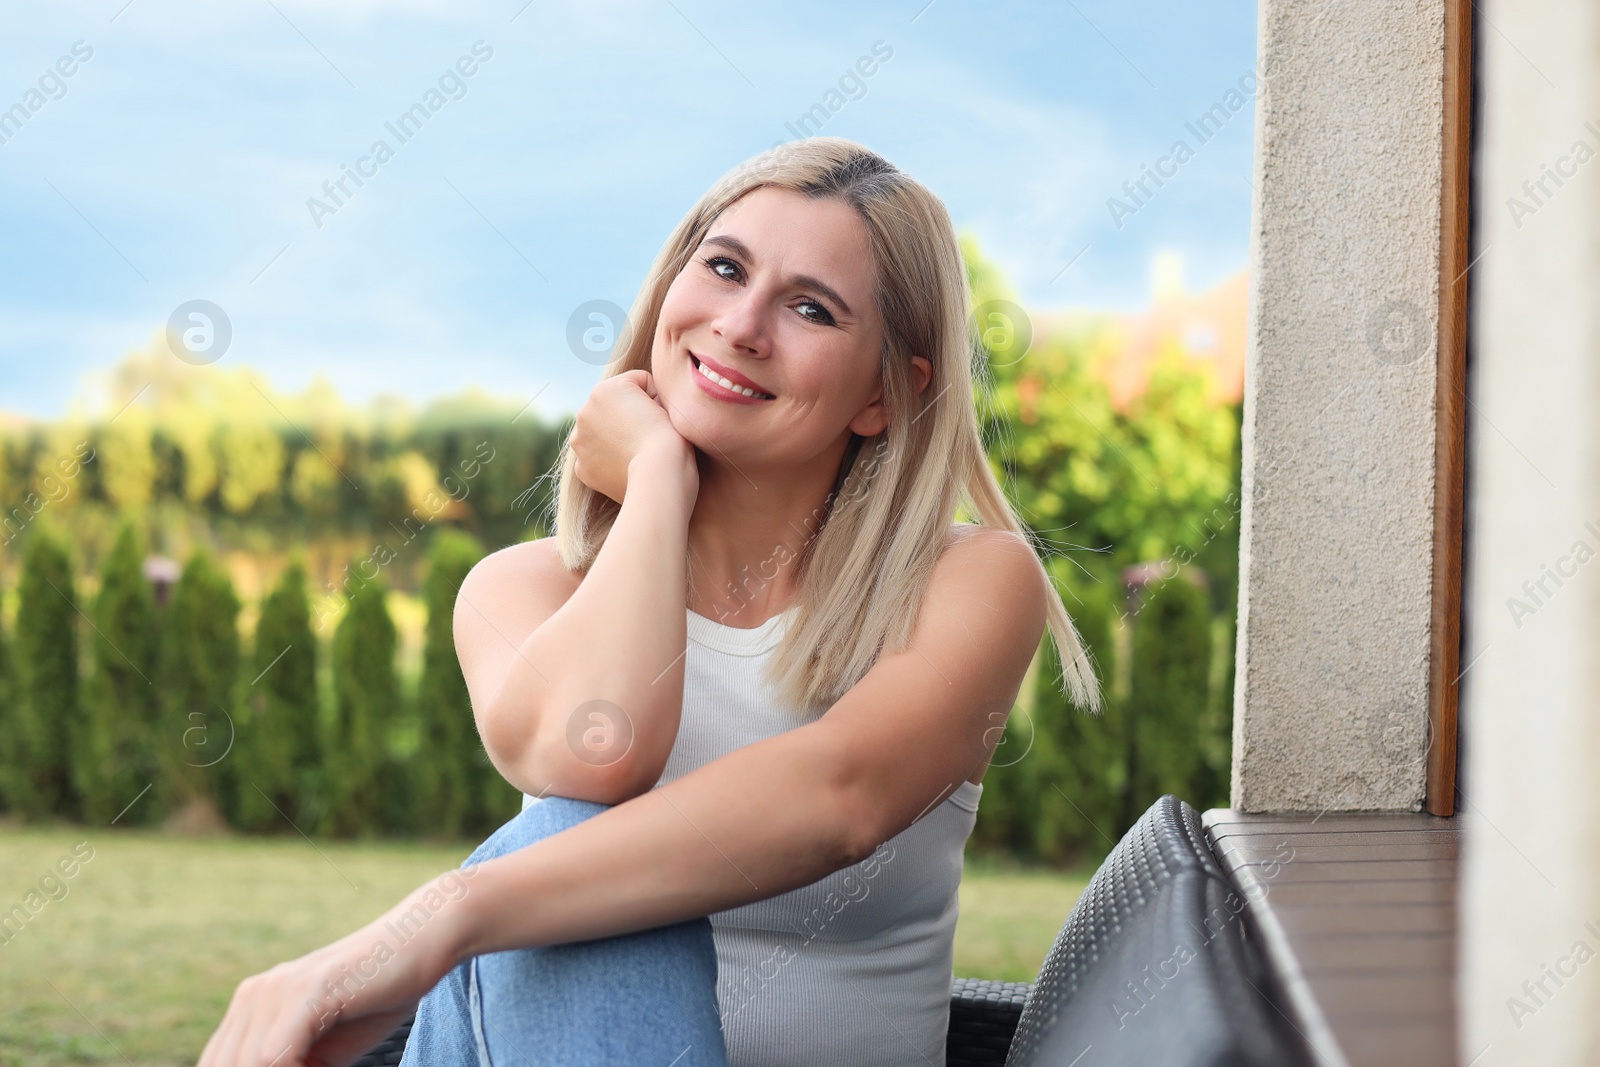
{"points": [[863, 568]]}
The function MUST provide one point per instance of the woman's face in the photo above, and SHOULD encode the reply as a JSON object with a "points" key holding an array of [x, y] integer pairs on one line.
{"points": [[779, 297]]}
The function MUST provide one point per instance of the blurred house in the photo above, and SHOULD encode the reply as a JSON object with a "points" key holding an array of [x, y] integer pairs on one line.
{"points": [[1206, 330]]}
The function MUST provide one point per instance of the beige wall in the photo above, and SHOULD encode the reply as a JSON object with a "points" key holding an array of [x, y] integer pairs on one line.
{"points": [[1330, 708], [1531, 698]]}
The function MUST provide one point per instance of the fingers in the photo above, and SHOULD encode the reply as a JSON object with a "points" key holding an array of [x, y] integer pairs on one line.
{"points": [[223, 1048], [254, 1047], [247, 1036], [266, 1043]]}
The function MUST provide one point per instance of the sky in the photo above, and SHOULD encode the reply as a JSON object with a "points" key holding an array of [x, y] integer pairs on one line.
{"points": [[185, 158]]}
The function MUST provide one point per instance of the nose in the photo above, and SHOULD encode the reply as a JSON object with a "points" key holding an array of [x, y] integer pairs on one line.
{"points": [[743, 324]]}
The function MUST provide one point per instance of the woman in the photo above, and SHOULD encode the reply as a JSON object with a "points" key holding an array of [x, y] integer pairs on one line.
{"points": [[756, 676]]}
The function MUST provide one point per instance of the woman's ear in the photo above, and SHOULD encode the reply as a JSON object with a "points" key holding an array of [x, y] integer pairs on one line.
{"points": [[922, 368], [871, 420]]}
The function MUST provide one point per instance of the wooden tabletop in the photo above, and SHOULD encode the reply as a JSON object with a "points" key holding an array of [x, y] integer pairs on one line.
{"points": [[1356, 914]]}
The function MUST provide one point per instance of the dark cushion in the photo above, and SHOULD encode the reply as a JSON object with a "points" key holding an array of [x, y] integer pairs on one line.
{"points": [[1154, 965]]}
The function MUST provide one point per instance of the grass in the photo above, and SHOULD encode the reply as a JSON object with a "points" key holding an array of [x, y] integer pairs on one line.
{"points": [[136, 962], [1010, 917]]}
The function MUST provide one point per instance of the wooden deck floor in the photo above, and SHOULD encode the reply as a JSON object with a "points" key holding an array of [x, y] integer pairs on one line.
{"points": [[1356, 914]]}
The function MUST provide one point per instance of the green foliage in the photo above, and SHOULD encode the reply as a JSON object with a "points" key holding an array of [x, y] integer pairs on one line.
{"points": [[1055, 790], [1079, 807], [500, 800], [1216, 732], [8, 704], [450, 779], [117, 759], [45, 726], [219, 459], [1168, 691], [1108, 488], [199, 674], [366, 788], [127, 463], [280, 747], [252, 460], [1134, 483], [224, 453]]}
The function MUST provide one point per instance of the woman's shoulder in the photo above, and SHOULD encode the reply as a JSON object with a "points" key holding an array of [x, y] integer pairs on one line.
{"points": [[968, 533], [538, 561], [990, 557]]}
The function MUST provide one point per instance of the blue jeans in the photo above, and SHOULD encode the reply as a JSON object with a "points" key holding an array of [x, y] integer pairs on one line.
{"points": [[645, 999]]}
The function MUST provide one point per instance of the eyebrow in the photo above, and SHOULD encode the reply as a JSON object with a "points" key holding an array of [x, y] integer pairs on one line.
{"points": [[739, 248]]}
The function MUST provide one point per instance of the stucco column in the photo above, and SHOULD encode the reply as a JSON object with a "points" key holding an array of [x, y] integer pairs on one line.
{"points": [[1331, 698], [1530, 898]]}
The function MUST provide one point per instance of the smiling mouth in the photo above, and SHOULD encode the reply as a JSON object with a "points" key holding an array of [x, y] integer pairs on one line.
{"points": [[707, 372]]}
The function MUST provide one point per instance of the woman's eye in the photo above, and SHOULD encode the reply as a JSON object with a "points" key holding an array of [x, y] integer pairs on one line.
{"points": [[824, 316], [715, 264], [715, 261]]}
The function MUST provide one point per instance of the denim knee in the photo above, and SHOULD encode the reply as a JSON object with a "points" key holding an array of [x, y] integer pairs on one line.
{"points": [[643, 997], [541, 819]]}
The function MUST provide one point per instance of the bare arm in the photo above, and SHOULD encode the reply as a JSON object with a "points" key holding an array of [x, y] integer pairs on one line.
{"points": [[577, 692], [764, 819], [782, 813]]}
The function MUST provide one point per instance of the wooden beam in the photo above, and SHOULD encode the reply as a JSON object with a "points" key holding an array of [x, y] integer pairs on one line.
{"points": [[1450, 427]]}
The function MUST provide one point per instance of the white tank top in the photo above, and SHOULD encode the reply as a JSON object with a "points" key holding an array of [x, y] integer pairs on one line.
{"points": [[856, 967]]}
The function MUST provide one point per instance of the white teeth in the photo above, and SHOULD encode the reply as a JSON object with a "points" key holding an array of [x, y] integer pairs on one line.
{"points": [[726, 384]]}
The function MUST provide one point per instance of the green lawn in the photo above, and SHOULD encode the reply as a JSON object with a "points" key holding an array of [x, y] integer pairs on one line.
{"points": [[136, 962], [1010, 918]]}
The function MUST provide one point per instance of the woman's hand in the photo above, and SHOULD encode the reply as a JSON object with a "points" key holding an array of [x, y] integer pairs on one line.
{"points": [[327, 1008], [622, 420]]}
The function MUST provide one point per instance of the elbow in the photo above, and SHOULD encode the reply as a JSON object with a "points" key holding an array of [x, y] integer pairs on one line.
{"points": [[857, 839], [856, 817], [584, 762], [504, 737]]}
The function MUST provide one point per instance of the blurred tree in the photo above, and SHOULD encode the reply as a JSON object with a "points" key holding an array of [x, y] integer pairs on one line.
{"points": [[8, 704], [1168, 691], [500, 801], [1135, 483], [7, 701], [279, 734], [1110, 488], [252, 462], [1006, 810], [1102, 486], [46, 726], [127, 461], [117, 760], [406, 493], [366, 703], [65, 470], [1081, 775], [198, 678], [1213, 777], [192, 436], [1054, 791], [1218, 556], [449, 778], [314, 484]]}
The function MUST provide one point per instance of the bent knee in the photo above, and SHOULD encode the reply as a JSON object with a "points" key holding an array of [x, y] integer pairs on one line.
{"points": [[539, 820]]}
